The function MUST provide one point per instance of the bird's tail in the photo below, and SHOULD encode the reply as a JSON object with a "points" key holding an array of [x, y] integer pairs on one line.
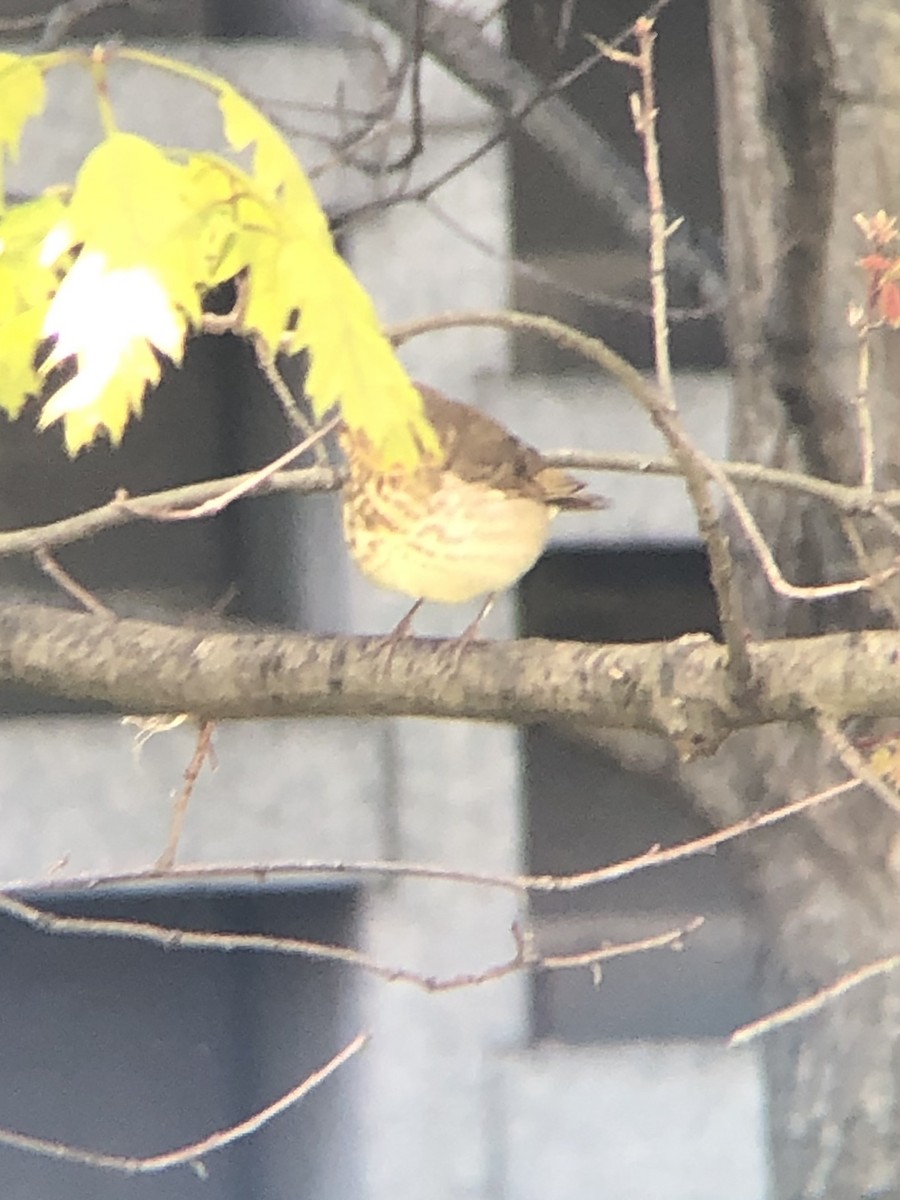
{"points": [[567, 493]]}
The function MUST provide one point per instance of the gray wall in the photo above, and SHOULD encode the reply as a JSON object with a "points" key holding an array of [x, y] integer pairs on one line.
{"points": [[452, 1098]]}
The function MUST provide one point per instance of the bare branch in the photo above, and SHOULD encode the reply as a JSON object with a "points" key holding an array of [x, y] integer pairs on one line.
{"points": [[60, 576], [268, 873], [663, 410], [861, 405], [458, 42], [192, 1153], [124, 509], [679, 689], [855, 501], [529, 270], [815, 1002], [416, 52], [525, 955], [296, 417], [202, 751], [246, 486], [773, 573], [62, 19], [644, 113], [856, 763]]}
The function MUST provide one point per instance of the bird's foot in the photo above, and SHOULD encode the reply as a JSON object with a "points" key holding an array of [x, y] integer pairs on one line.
{"points": [[452, 650]]}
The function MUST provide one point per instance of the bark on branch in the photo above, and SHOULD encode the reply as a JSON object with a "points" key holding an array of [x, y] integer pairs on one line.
{"points": [[680, 689]]}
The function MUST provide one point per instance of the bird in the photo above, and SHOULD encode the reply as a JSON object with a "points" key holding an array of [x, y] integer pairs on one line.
{"points": [[466, 521]]}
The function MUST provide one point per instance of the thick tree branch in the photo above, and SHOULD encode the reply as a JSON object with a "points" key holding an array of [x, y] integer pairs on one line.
{"points": [[680, 689]]}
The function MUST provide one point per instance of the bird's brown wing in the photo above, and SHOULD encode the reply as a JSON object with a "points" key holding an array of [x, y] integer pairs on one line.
{"points": [[479, 449]]}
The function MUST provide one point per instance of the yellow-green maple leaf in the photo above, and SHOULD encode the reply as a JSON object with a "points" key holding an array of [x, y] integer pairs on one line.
{"points": [[19, 339], [26, 286], [148, 233], [131, 287]]}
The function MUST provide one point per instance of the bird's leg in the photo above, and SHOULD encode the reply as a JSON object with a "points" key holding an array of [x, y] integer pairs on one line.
{"points": [[388, 644], [404, 625], [471, 629], [458, 645]]}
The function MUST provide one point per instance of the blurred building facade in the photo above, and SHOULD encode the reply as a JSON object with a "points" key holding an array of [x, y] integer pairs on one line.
{"points": [[545, 1086]]}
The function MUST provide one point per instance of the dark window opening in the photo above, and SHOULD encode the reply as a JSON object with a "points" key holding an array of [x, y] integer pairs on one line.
{"points": [[561, 233], [275, 18], [595, 798], [125, 1048]]}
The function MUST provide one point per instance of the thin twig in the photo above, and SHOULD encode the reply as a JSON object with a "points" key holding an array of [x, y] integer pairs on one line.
{"points": [[202, 751], [865, 561], [375, 123], [673, 938], [530, 270], [295, 415], [60, 576], [124, 509], [866, 445], [644, 113], [655, 856], [215, 505], [511, 119], [541, 111], [306, 481], [59, 22], [233, 322], [663, 410], [193, 1152], [773, 573], [170, 938], [856, 763], [379, 120], [814, 1003], [846, 498], [417, 129]]}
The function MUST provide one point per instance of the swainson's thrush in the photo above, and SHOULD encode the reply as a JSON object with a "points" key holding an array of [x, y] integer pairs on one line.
{"points": [[468, 522]]}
